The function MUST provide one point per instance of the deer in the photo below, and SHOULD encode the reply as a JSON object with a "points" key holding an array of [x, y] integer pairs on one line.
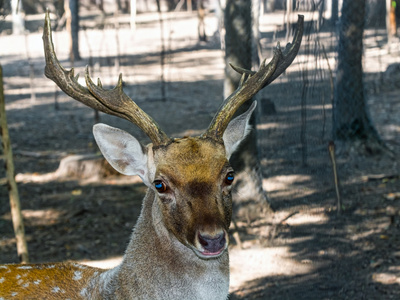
{"points": [[179, 245]]}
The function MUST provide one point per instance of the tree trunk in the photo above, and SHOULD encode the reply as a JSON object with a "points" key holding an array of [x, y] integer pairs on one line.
{"points": [[171, 4], [72, 13], [375, 13], [269, 5], [351, 123], [391, 26], [18, 23], [288, 16], [201, 27], [133, 14], [16, 215], [334, 12], [250, 201]]}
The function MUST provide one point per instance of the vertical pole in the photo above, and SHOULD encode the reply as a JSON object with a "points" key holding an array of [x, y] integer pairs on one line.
{"points": [[71, 8], [335, 12], [393, 25], [289, 10], [18, 22], [162, 54], [133, 15], [16, 214], [331, 149]]}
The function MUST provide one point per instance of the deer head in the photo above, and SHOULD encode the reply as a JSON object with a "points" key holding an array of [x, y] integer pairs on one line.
{"points": [[191, 177]]}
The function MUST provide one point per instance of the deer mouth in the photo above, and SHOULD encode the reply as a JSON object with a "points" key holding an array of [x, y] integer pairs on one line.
{"points": [[205, 254], [212, 254]]}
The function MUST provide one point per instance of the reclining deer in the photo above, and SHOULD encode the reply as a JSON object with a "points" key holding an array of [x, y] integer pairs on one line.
{"points": [[178, 248]]}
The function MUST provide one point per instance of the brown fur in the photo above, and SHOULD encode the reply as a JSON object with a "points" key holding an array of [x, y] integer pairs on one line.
{"points": [[198, 185], [50, 281]]}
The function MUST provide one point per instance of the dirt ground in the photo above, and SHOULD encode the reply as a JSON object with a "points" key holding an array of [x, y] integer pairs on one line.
{"points": [[307, 252]]}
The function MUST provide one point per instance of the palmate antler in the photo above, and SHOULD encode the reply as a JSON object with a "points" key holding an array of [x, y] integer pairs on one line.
{"points": [[252, 82], [114, 102]]}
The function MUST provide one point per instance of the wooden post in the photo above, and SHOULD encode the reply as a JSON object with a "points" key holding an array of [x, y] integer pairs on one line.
{"points": [[331, 148], [16, 214], [391, 27]]}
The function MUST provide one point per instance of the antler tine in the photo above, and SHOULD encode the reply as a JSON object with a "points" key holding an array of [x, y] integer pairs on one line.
{"points": [[114, 102], [253, 82]]}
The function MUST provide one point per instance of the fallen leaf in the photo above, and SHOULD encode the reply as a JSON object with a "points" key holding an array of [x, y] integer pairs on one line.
{"points": [[77, 192], [392, 196]]}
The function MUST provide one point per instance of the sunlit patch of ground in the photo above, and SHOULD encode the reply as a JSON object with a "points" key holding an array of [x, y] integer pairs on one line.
{"points": [[250, 264], [42, 217]]}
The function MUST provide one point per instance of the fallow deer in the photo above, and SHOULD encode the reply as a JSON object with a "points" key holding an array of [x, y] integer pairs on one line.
{"points": [[178, 248]]}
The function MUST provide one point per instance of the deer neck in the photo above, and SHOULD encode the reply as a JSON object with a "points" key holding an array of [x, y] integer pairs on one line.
{"points": [[172, 264]]}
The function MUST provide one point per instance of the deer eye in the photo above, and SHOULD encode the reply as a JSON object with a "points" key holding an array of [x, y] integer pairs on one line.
{"points": [[160, 186], [229, 178]]}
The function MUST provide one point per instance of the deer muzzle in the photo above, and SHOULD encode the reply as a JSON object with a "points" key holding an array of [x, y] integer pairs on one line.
{"points": [[211, 245]]}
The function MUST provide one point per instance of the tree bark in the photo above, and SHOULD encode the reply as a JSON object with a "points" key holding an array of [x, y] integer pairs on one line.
{"points": [[351, 122], [334, 12], [375, 13], [289, 11], [133, 14], [391, 26], [16, 215], [18, 22], [201, 14], [72, 15], [250, 201]]}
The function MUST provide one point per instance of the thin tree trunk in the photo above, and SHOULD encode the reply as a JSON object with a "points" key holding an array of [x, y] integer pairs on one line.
{"points": [[18, 23], [391, 26], [133, 15], [72, 15], [15, 206], [334, 12], [250, 200], [289, 11], [201, 14], [162, 54]]}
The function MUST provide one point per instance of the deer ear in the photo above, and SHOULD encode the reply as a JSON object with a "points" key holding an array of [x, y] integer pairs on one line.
{"points": [[237, 130], [124, 153]]}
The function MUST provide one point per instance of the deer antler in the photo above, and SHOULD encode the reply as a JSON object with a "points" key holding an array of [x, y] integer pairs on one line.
{"points": [[252, 82], [114, 102]]}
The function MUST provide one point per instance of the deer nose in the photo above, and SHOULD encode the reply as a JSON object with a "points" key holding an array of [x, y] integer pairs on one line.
{"points": [[212, 245]]}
